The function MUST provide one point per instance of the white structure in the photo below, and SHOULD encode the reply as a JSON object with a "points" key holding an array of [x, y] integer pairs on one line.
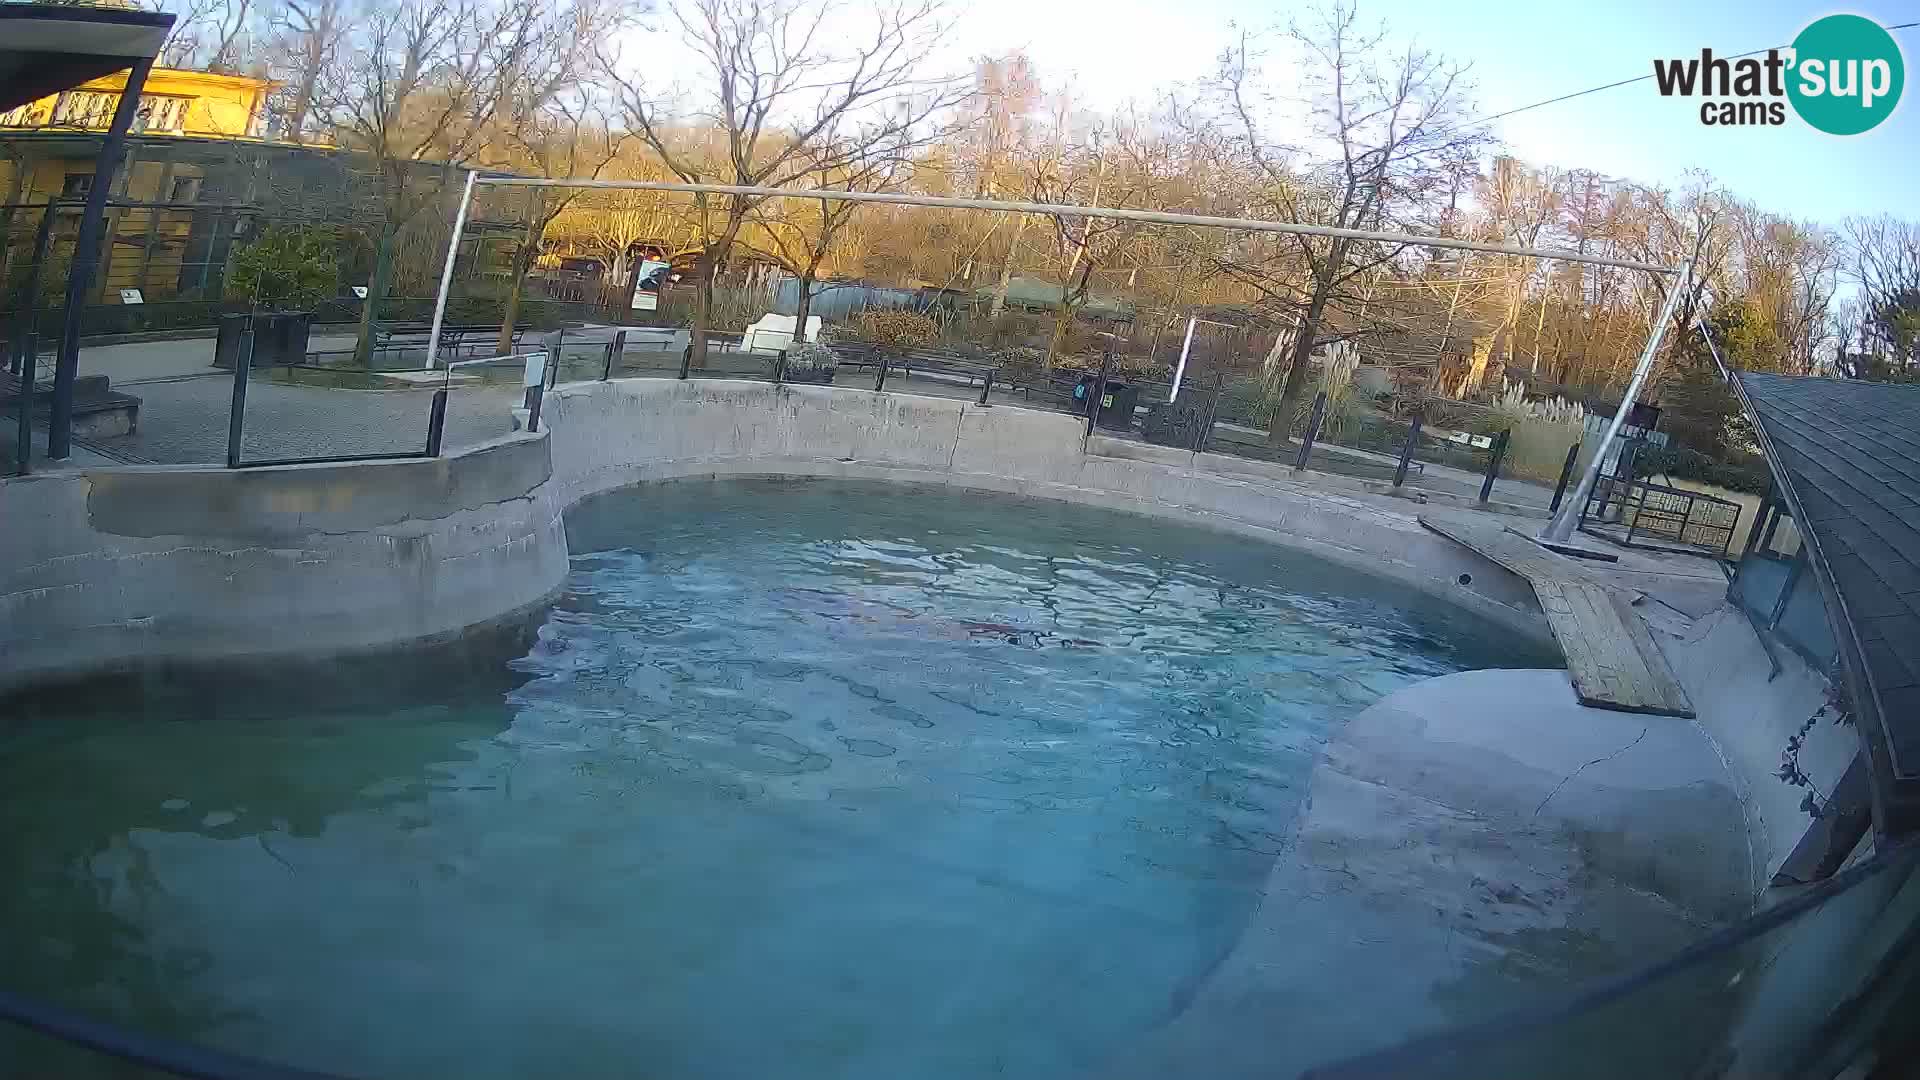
{"points": [[775, 332]]}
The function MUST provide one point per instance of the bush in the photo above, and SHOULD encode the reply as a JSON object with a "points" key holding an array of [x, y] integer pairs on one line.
{"points": [[1744, 473], [902, 329], [292, 266]]}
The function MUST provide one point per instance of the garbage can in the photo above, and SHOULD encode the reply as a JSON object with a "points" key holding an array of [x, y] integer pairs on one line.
{"points": [[1117, 405], [226, 343], [288, 332]]}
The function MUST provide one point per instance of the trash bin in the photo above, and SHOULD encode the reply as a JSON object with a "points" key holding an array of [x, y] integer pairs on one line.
{"points": [[1117, 405], [226, 343], [289, 331]]}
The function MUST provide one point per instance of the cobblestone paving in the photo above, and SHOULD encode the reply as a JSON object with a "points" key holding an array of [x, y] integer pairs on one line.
{"points": [[184, 421]]}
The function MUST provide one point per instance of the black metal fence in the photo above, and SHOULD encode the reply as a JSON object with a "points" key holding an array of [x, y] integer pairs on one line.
{"points": [[1657, 517]]}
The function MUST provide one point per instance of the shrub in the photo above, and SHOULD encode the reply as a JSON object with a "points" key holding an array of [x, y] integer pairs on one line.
{"points": [[902, 329], [292, 266]]}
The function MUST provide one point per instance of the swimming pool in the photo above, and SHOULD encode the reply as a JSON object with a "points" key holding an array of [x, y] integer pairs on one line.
{"points": [[797, 778]]}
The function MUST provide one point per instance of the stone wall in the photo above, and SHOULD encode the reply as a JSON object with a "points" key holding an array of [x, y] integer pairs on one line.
{"points": [[104, 569], [110, 568]]}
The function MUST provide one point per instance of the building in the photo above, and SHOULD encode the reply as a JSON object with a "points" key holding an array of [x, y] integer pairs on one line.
{"points": [[1831, 570], [174, 102]]}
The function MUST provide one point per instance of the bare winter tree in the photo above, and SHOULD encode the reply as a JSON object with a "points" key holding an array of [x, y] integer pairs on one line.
{"points": [[551, 125], [1381, 125], [793, 91], [802, 243], [307, 35], [1883, 264], [210, 34], [422, 81]]}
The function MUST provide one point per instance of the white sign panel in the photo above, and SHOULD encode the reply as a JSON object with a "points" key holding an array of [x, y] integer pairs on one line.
{"points": [[360, 291], [646, 301], [131, 296]]}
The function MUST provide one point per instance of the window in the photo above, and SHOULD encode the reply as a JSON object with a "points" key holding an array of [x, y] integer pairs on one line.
{"points": [[183, 189], [94, 109], [161, 113], [76, 185], [84, 109]]}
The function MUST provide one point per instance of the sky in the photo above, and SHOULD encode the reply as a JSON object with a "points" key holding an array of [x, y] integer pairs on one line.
{"points": [[1520, 52]]}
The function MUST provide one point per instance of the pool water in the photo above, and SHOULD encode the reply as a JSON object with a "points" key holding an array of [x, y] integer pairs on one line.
{"points": [[797, 778]]}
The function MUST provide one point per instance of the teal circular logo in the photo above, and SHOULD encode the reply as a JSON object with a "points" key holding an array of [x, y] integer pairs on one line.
{"points": [[1847, 74]]}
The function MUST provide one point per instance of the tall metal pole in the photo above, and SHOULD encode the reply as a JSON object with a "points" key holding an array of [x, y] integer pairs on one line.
{"points": [[86, 259], [1180, 369], [446, 272], [1560, 529]]}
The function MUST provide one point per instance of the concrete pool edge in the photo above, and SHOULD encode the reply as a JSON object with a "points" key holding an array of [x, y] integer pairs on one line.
{"points": [[159, 564]]}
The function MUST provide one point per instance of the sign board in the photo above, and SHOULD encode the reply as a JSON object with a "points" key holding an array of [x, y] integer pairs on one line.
{"points": [[1480, 442], [360, 291], [131, 296], [646, 301], [536, 370]]}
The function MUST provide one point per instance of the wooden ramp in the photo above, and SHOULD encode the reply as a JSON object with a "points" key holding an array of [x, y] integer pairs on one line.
{"points": [[1611, 656]]}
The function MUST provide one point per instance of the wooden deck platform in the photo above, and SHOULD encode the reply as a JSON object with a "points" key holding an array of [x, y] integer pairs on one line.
{"points": [[1611, 655]]}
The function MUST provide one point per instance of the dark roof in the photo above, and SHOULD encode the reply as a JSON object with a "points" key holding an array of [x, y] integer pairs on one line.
{"points": [[46, 48], [1846, 455]]}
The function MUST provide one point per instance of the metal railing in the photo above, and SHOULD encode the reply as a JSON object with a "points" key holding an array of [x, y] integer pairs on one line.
{"points": [[1657, 517]]}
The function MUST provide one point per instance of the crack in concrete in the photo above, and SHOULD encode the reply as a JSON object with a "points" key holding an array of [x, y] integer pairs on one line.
{"points": [[1589, 765]]}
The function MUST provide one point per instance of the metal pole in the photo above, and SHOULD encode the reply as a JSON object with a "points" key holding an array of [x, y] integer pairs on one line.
{"points": [[237, 407], [436, 422], [27, 355], [986, 387], [86, 258], [1312, 432], [1180, 369], [1493, 464], [1100, 386], [1162, 217], [446, 272], [616, 347], [1406, 452], [1566, 474], [880, 383], [1560, 529]]}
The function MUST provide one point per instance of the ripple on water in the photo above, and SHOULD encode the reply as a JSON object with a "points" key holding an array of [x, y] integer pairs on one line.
{"points": [[806, 779]]}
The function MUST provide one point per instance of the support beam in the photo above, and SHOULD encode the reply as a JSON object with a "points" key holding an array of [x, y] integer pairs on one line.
{"points": [[86, 257]]}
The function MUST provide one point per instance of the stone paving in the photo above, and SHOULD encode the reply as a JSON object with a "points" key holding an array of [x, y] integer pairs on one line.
{"points": [[185, 404]]}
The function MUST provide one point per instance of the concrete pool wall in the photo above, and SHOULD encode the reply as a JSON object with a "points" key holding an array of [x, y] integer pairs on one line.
{"points": [[113, 568]]}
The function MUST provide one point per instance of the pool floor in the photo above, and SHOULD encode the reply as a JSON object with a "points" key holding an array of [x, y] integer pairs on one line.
{"points": [[797, 778]]}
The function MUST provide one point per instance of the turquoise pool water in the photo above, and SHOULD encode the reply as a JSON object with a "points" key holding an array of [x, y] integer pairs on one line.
{"points": [[797, 778]]}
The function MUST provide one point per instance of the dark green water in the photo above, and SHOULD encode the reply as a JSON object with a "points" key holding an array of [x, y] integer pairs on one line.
{"points": [[798, 778]]}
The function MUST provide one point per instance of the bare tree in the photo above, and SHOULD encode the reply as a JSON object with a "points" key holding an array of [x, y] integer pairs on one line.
{"points": [[419, 82], [210, 34], [788, 103], [550, 125], [307, 35], [802, 244], [1382, 125]]}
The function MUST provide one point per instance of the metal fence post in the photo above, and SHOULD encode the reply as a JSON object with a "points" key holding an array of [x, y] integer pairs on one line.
{"points": [[616, 347], [237, 409], [1099, 387], [436, 422], [30, 369], [1566, 473], [780, 367], [986, 387], [1313, 431], [1498, 451], [880, 383], [1406, 452]]}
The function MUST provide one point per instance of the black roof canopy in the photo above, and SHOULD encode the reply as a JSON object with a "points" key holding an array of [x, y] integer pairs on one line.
{"points": [[47, 48], [1846, 460]]}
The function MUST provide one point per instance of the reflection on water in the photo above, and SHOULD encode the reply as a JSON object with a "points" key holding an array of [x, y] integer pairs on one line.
{"points": [[806, 779]]}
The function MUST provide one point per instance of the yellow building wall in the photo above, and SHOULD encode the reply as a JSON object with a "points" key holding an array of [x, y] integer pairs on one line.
{"points": [[225, 106]]}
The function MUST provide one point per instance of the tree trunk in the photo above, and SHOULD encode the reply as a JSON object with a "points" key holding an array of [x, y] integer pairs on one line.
{"points": [[376, 292], [522, 263], [1006, 268], [1291, 390], [703, 274], [804, 306]]}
